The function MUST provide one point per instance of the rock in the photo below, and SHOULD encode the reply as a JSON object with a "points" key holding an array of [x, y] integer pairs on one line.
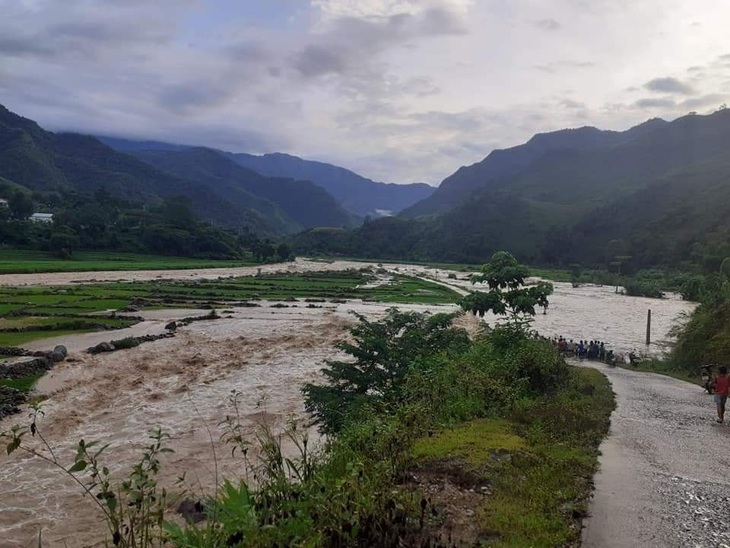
{"points": [[57, 356], [10, 399], [31, 368], [193, 511], [101, 347], [172, 326], [61, 349]]}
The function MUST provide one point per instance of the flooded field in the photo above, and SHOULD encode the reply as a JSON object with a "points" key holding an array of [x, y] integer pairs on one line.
{"points": [[183, 385]]}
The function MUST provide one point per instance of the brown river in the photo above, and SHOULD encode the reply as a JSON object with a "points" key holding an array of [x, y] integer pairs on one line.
{"points": [[183, 384]]}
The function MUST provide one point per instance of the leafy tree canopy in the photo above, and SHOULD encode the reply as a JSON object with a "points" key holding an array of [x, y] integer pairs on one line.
{"points": [[384, 352], [507, 296]]}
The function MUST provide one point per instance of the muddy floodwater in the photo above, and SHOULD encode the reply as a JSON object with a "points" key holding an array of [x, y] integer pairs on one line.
{"points": [[182, 385]]}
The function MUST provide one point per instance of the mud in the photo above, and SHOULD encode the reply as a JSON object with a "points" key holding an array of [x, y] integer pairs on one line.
{"points": [[180, 384], [183, 384]]}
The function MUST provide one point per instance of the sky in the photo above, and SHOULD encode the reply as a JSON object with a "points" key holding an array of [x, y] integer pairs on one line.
{"points": [[396, 90]]}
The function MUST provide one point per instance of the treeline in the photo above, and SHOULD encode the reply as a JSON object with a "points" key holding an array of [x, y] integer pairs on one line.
{"points": [[101, 222], [705, 337]]}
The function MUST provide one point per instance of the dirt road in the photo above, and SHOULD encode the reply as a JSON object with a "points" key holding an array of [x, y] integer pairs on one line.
{"points": [[665, 469]]}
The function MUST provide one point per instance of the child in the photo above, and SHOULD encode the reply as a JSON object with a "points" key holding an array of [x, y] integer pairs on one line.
{"points": [[721, 385], [706, 374]]}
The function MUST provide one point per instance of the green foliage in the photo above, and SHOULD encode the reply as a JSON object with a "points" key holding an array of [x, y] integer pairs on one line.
{"points": [[505, 277], [20, 204], [384, 352], [637, 288]]}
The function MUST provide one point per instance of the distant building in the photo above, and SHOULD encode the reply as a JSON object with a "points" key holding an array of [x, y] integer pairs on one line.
{"points": [[42, 217], [3, 202]]}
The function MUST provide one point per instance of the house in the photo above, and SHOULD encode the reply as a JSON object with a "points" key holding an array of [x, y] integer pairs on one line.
{"points": [[3, 202], [42, 217]]}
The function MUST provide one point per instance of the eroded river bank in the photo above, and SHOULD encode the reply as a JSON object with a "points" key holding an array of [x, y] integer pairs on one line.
{"points": [[183, 384]]}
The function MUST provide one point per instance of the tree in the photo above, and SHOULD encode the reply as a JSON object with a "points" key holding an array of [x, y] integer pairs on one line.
{"points": [[505, 278], [64, 240], [283, 251], [20, 204], [384, 351]]}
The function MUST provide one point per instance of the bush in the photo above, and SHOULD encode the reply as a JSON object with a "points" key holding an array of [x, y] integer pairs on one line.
{"points": [[384, 352], [636, 288]]}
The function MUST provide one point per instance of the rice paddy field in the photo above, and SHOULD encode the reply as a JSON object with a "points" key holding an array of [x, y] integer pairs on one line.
{"points": [[30, 313], [15, 261]]}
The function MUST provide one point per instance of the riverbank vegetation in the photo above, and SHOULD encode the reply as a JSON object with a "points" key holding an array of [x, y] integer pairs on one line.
{"points": [[432, 437], [493, 440]]}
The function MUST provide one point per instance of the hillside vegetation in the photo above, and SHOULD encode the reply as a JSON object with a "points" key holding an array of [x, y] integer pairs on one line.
{"points": [[656, 195], [218, 190], [357, 195]]}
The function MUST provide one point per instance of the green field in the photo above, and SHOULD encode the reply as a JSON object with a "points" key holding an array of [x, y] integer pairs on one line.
{"points": [[14, 261], [30, 313]]}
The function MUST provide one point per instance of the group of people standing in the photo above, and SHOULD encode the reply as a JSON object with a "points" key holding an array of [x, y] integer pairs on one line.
{"points": [[592, 350]]}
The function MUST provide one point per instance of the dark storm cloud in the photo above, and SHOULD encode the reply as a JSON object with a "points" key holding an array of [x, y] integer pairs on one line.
{"points": [[669, 85]]}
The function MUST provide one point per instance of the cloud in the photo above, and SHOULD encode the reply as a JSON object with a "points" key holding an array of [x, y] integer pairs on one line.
{"points": [[336, 9], [709, 100], [669, 85], [652, 102], [397, 89], [569, 103], [557, 66], [548, 24]]}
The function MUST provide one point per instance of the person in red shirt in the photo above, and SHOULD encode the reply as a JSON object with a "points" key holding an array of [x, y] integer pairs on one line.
{"points": [[721, 386]]}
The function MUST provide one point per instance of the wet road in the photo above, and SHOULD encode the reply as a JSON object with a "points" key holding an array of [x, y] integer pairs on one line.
{"points": [[665, 468]]}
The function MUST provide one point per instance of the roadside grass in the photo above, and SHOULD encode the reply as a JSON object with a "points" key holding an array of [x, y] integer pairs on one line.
{"points": [[537, 462], [13, 261]]}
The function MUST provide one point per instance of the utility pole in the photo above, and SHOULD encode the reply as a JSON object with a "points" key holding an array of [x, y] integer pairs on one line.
{"points": [[648, 327]]}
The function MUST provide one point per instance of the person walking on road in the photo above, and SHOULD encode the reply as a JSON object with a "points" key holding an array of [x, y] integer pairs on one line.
{"points": [[721, 385]]}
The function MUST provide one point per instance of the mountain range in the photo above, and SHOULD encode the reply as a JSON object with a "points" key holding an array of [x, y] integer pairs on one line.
{"points": [[220, 188], [357, 195], [658, 192], [660, 189]]}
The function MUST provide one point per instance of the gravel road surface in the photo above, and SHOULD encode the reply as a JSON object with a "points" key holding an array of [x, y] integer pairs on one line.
{"points": [[665, 468]]}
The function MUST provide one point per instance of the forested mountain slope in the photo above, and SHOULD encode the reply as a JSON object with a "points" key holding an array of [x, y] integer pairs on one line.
{"points": [[219, 190], [661, 190], [46, 162], [357, 194], [301, 201], [500, 164]]}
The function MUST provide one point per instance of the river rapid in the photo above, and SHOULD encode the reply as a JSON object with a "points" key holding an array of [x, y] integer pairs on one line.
{"points": [[183, 385]]}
